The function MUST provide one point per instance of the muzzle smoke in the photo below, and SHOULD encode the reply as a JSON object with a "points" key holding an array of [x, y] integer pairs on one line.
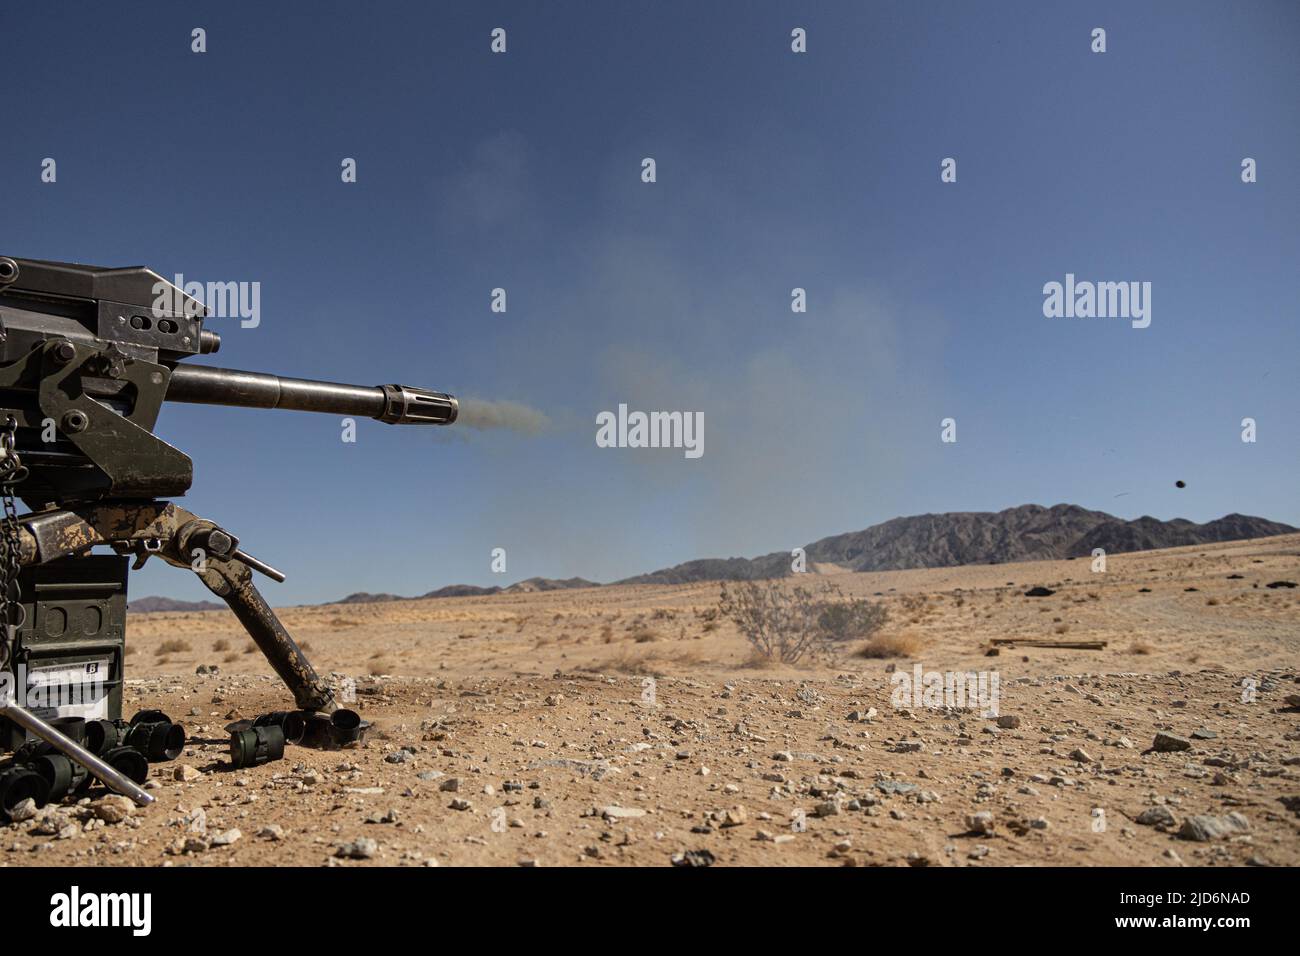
{"points": [[511, 416]]}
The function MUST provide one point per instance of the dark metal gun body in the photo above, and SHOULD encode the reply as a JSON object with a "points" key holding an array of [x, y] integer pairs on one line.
{"points": [[88, 356]]}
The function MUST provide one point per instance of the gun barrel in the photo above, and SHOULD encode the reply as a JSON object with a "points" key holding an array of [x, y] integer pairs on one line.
{"points": [[394, 404]]}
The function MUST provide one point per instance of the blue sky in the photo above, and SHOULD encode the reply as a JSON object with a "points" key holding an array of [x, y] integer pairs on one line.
{"points": [[775, 170]]}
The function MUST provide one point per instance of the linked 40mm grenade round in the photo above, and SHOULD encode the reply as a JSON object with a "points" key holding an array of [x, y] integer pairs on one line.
{"points": [[18, 784], [256, 745], [155, 736]]}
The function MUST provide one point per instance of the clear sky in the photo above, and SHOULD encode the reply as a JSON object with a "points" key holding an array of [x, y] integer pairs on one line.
{"points": [[775, 170]]}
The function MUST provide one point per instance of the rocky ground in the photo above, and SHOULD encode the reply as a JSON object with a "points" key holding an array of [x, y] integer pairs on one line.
{"points": [[631, 726]]}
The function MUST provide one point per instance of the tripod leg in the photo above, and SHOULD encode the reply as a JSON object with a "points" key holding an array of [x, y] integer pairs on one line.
{"points": [[232, 581], [132, 525]]}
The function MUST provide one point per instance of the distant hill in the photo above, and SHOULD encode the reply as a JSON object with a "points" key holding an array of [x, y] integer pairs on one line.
{"points": [[549, 584], [150, 605], [365, 597], [461, 590], [474, 590], [1025, 533]]}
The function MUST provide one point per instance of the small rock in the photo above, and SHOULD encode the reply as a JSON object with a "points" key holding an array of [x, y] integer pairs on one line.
{"points": [[1169, 743], [694, 858], [113, 808], [732, 817], [621, 813], [362, 849], [226, 837], [1205, 827], [1156, 817], [25, 810]]}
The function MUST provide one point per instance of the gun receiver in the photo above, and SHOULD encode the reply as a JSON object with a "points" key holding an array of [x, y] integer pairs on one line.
{"points": [[96, 352]]}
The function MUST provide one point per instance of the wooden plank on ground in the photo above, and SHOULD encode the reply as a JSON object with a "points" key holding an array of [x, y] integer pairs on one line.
{"points": [[1065, 645]]}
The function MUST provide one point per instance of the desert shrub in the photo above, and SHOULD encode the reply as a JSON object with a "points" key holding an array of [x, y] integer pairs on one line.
{"points": [[851, 620], [172, 646], [787, 623], [221, 644], [883, 646]]}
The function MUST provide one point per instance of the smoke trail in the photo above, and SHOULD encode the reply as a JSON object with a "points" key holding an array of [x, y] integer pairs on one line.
{"points": [[512, 416]]}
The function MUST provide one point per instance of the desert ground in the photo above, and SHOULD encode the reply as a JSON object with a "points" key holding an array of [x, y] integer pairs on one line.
{"points": [[631, 725]]}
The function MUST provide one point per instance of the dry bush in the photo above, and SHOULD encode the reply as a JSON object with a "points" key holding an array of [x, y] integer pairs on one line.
{"points": [[172, 646], [250, 648], [650, 662], [1062, 628], [230, 658], [1212, 602], [645, 636], [1140, 649], [787, 623], [377, 667], [341, 622], [757, 660], [883, 646], [607, 634], [220, 644]]}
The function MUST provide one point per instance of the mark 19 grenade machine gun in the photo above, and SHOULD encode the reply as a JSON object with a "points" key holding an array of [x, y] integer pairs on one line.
{"points": [[88, 355]]}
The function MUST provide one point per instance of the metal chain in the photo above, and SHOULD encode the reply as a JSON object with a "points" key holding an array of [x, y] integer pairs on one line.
{"points": [[11, 473]]}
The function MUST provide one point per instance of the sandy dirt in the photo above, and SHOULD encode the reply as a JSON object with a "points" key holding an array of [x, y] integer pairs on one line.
{"points": [[630, 725]]}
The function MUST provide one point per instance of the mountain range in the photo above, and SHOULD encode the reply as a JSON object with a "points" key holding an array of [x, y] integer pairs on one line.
{"points": [[1023, 533]]}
